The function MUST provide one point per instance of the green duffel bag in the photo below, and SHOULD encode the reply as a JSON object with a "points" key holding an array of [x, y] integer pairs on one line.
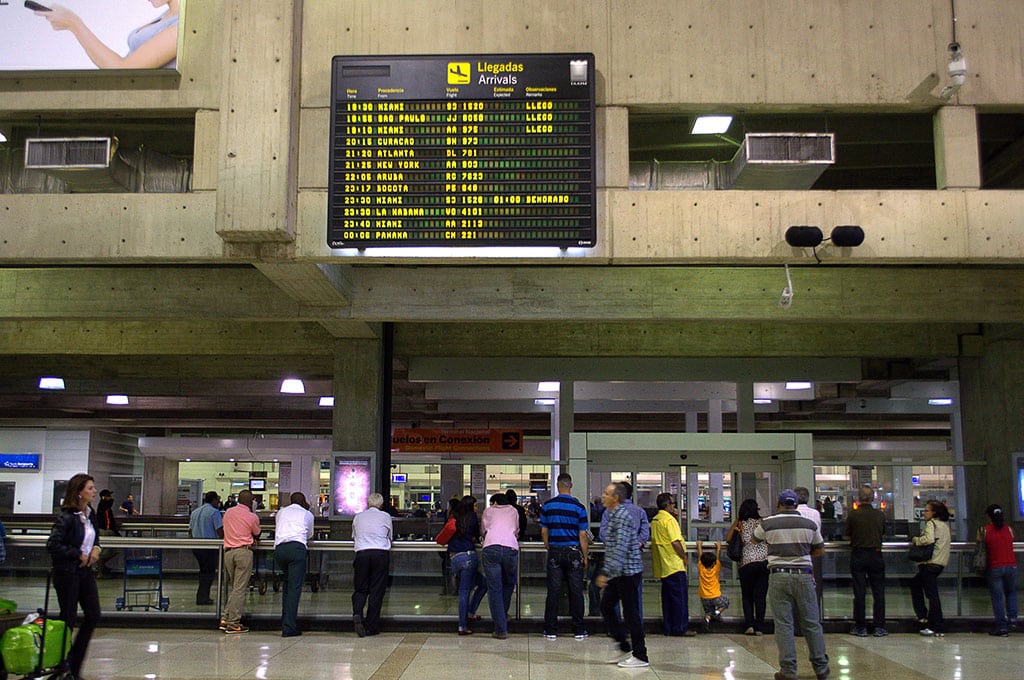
{"points": [[8, 606]]}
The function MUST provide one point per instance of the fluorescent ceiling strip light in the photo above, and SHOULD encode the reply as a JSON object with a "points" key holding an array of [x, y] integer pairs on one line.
{"points": [[327, 402], [51, 383], [711, 125], [762, 401], [548, 386], [292, 386], [944, 401], [544, 402], [117, 399], [798, 385]]}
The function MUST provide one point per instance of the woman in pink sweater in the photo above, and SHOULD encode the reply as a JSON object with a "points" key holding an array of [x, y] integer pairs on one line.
{"points": [[500, 557]]}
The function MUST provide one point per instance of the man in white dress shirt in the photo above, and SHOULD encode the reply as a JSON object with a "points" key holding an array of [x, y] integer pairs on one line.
{"points": [[293, 526], [805, 510], [371, 533]]}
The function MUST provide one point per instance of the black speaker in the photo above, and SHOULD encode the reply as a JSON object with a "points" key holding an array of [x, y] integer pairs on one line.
{"points": [[803, 237], [847, 236]]}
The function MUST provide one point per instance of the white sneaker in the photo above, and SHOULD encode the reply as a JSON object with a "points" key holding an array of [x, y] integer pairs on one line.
{"points": [[633, 662], [927, 632], [617, 655]]}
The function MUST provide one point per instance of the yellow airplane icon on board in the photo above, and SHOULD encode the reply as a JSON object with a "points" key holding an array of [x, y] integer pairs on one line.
{"points": [[458, 73]]}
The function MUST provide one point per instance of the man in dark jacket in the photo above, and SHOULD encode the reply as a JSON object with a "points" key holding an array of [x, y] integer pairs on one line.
{"points": [[106, 525], [864, 528]]}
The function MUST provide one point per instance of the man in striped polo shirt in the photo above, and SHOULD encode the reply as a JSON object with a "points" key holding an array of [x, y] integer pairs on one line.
{"points": [[563, 526], [792, 539]]}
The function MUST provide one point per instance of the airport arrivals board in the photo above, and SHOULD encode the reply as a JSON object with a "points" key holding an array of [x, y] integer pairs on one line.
{"points": [[462, 150]]}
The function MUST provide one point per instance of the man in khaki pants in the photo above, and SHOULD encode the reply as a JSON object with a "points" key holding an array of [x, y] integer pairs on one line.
{"points": [[241, 529]]}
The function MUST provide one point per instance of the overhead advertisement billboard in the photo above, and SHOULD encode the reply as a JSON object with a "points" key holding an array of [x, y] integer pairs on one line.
{"points": [[45, 37]]}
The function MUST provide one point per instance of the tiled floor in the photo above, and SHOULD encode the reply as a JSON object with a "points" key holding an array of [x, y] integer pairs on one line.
{"points": [[165, 654]]}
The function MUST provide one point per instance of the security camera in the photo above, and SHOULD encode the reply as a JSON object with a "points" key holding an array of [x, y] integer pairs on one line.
{"points": [[957, 70]]}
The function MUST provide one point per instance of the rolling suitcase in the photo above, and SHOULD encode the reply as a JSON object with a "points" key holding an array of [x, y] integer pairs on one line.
{"points": [[37, 648]]}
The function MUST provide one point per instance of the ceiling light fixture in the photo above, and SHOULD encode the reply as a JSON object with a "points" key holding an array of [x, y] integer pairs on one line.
{"points": [[711, 125], [327, 402], [117, 399], [544, 402], [50, 383], [798, 385], [548, 386], [762, 401], [944, 401], [292, 386], [3, 137]]}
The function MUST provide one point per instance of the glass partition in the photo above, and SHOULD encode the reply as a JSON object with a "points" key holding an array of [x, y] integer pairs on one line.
{"points": [[155, 579]]}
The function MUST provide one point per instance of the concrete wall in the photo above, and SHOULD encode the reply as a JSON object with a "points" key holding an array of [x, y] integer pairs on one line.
{"points": [[258, 80]]}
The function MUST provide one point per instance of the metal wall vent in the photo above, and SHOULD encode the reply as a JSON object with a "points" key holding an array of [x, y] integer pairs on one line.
{"points": [[67, 152], [781, 160]]}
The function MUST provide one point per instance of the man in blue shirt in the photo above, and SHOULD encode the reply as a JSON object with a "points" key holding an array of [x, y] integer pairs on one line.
{"points": [[643, 535], [205, 522], [619, 577], [563, 527]]}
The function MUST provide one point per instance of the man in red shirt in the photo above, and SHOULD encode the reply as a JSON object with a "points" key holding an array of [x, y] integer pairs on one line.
{"points": [[241, 529]]}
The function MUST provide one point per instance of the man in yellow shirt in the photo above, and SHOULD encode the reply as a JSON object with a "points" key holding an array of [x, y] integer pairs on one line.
{"points": [[669, 558]]}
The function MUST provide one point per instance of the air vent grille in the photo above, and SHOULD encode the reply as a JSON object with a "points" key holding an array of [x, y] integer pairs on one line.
{"points": [[797, 148], [67, 152]]}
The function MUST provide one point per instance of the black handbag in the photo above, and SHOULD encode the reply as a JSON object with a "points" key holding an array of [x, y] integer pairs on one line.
{"points": [[734, 549], [920, 553]]}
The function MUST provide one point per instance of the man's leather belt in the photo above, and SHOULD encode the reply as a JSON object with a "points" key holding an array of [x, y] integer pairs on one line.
{"points": [[790, 570]]}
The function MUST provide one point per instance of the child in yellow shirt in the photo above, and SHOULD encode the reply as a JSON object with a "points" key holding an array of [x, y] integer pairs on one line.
{"points": [[710, 588]]}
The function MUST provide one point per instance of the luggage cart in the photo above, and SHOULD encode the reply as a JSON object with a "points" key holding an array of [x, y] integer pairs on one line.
{"points": [[146, 563], [259, 582]]}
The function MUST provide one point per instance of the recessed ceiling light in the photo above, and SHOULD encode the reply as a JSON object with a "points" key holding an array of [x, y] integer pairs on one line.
{"points": [[798, 385], [117, 399], [548, 386], [544, 402], [762, 401], [944, 401], [51, 383], [711, 125], [327, 401], [292, 386]]}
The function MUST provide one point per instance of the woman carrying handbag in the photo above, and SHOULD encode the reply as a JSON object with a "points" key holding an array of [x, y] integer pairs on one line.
{"points": [[926, 583]]}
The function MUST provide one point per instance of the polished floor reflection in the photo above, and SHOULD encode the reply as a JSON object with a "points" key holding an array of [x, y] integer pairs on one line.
{"points": [[166, 654]]}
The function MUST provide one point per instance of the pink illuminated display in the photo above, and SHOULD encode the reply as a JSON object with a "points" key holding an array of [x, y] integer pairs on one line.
{"points": [[351, 485]]}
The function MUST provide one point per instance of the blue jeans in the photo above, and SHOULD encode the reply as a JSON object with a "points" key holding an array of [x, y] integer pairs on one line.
{"points": [[500, 566], [793, 596], [1002, 586], [464, 567], [623, 589], [564, 564]]}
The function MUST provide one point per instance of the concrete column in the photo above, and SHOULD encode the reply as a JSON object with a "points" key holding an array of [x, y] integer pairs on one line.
{"points": [[715, 415], [957, 158], [691, 421], [612, 131], [452, 483], [992, 402], [159, 486], [745, 407], [357, 400]]}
